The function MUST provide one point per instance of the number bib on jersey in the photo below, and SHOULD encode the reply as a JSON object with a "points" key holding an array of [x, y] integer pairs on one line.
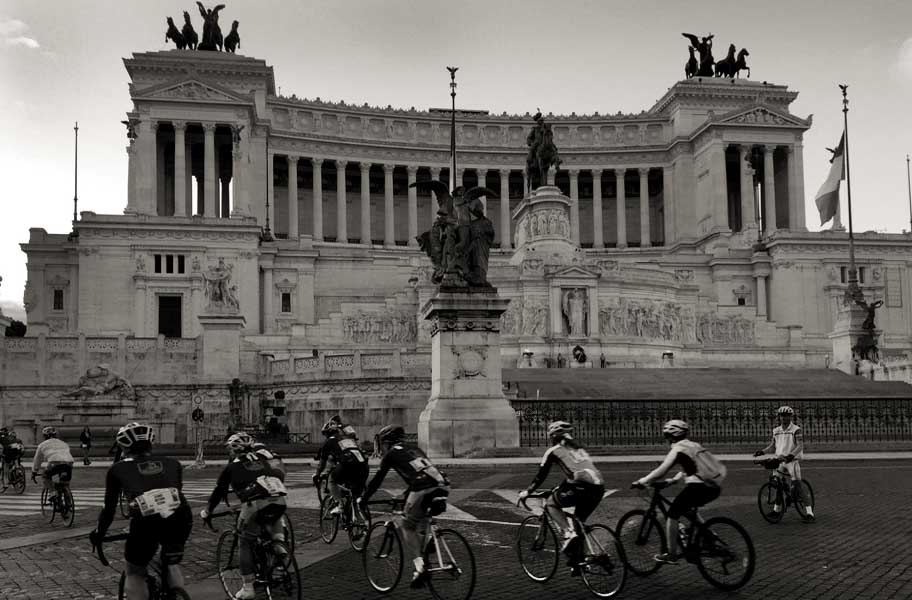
{"points": [[162, 502], [352, 449], [272, 485], [424, 466]]}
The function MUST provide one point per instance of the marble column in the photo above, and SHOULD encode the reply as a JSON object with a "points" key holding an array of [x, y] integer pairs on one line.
{"points": [[268, 293], [645, 233], [505, 239], [748, 208], [365, 204], [191, 207], [598, 233], [769, 190], [412, 171], [460, 178], [161, 184], [761, 296], [180, 169], [292, 196], [796, 188], [435, 175], [139, 306], [482, 176], [240, 208], [146, 167], [132, 180], [209, 174], [389, 207], [668, 203], [225, 211], [317, 199], [341, 203], [574, 205], [270, 190], [526, 190], [621, 209]]}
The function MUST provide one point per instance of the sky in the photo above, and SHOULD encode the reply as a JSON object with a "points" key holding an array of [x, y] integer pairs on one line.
{"points": [[61, 62]]}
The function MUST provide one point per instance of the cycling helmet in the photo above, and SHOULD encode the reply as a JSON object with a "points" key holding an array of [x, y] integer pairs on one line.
{"points": [[4, 430], [785, 410], [329, 428], [240, 442], [134, 432], [391, 433], [559, 428], [676, 428], [49, 432], [337, 420]]}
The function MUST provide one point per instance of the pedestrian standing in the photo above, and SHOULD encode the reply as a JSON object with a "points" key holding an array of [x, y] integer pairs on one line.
{"points": [[85, 440]]}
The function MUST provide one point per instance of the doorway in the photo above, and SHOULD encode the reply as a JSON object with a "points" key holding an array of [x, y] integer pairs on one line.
{"points": [[169, 316]]}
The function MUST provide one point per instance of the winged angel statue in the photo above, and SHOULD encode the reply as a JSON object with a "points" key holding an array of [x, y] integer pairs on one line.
{"points": [[460, 240]]}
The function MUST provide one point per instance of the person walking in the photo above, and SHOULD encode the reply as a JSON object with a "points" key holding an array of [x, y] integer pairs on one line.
{"points": [[85, 441]]}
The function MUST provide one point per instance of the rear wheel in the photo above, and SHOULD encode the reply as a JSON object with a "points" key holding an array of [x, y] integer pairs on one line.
{"points": [[329, 523], [536, 545], [227, 561], [770, 496], [800, 506], [603, 569], [67, 506], [726, 556], [450, 565], [287, 532], [382, 557], [283, 581], [357, 531], [47, 505], [642, 537], [17, 478]]}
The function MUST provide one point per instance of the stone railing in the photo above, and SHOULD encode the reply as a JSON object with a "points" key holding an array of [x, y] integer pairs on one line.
{"points": [[899, 369], [45, 360], [347, 364]]}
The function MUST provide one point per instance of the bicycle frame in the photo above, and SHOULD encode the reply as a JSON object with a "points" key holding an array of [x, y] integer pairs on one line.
{"points": [[397, 505], [660, 504], [594, 546]]}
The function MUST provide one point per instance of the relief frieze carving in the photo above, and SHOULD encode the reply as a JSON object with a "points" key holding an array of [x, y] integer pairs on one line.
{"points": [[511, 320], [195, 91], [716, 330], [667, 321], [535, 316], [470, 361], [380, 328]]}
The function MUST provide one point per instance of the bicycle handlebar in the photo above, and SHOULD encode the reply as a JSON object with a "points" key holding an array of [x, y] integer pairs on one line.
{"points": [[657, 485], [219, 515], [98, 545], [541, 494]]}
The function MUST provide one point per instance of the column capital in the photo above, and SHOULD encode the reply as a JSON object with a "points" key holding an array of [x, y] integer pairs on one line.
{"points": [[435, 172], [643, 171], [292, 159], [504, 172], [365, 166], [596, 172], [619, 172], [481, 171], [341, 164], [209, 127], [573, 172], [769, 147], [179, 126], [316, 162], [412, 170], [388, 168], [744, 150]]}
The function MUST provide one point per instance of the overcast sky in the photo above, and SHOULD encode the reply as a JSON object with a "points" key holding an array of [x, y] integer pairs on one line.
{"points": [[60, 62]]}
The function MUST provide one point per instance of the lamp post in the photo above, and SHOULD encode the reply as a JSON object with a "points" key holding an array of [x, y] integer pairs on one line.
{"points": [[453, 183], [853, 291], [74, 234]]}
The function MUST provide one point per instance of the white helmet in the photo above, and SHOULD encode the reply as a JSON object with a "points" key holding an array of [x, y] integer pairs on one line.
{"points": [[240, 442], [134, 432], [785, 410], [676, 428], [558, 428]]}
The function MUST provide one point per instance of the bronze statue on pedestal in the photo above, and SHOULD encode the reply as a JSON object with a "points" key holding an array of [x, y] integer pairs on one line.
{"points": [[542, 154]]}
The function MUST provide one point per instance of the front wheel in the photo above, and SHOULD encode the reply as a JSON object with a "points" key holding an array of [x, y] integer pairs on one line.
{"points": [[382, 557], [227, 562], [800, 506], [357, 531], [48, 510], [329, 523], [287, 532], [726, 556], [603, 566], [283, 582], [450, 565], [67, 506], [768, 498], [642, 537], [536, 545], [17, 479]]}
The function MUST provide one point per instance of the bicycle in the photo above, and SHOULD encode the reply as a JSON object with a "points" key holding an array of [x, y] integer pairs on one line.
{"points": [[60, 501], [287, 529], [12, 474], [448, 559], [322, 488], [601, 562], [719, 546], [779, 491], [356, 528], [275, 572], [156, 576]]}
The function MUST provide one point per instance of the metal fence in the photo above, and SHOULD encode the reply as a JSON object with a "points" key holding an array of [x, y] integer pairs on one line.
{"points": [[716, 422]]}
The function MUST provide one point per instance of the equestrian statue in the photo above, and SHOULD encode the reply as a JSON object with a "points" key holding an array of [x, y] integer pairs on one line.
{"points": [[542, 154]]}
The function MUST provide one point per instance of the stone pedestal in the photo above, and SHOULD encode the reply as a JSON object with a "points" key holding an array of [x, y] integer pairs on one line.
{"points": [[220, 358], [467, 409], [847, 332]]}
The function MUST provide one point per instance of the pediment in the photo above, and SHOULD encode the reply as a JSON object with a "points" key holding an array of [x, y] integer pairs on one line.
{"points": [[190, 89], [574, 272], [762, 115]]}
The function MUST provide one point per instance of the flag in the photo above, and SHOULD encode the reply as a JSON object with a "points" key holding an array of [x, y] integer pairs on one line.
{"points": [[827, 198]]}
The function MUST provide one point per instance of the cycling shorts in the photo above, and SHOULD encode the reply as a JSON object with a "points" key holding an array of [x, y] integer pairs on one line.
{"points": [[792, 468], [692, 496], [148, 533], [254, 515], [583, 495], [65, 470], [351, 475]]}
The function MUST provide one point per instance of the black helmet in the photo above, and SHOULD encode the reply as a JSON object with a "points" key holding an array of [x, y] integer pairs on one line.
{"points": [[391, 433]]}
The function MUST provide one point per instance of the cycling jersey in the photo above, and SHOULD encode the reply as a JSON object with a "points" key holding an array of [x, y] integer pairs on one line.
{"points": [[136, 475], [252, 476], [786, 440], [412, 465], [12, 451], [51, 450], [574, 462], [342, 450]]}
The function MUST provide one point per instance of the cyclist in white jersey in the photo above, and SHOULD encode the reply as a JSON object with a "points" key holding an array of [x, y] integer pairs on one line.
{"points": [[788, 445]]}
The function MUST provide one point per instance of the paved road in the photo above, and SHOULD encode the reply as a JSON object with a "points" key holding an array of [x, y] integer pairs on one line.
{"points": [[857, 549]]}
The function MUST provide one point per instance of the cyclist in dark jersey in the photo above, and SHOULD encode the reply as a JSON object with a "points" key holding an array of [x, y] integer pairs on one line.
{"points": [[347, 464], [427, 491], [159, 513], [11, 452], [257, 476], [583, 487]]}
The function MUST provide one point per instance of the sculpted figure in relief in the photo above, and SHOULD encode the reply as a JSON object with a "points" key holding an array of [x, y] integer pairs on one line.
{"points": [[535, 318], [575, 309], [100, 380], [219, 292]]}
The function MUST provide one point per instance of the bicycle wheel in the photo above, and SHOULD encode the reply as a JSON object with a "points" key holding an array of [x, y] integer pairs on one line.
{"points": [[536, 546], [227, 561], [809, 492], [17, 479], [770, 495], [382, 557], [287, 532], [726, 556], [121, 587], [450, 565], [283, 580], [329, 524], [357, 531], [642, 537], [67, 506], [603, 569], [124, 506], [47, 505]]}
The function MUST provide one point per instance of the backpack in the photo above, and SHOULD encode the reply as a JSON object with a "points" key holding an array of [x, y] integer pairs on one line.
{"points": [[709, 468]]}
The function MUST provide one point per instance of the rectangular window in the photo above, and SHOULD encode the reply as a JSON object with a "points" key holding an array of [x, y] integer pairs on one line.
{"points": [[158, 263], [180, 263], [741, 302], [58, 299], [169, 263], [861, 274], [843, 274], [286, 302]]}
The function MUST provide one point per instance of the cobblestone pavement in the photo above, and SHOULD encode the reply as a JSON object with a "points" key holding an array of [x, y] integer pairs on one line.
{"points": [[857, 548]]}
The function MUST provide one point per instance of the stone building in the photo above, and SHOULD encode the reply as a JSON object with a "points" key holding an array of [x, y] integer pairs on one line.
{"points": [[678, 229]]}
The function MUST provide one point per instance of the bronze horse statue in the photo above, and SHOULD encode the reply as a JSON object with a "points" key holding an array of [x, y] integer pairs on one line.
{"points": [[233, 40], [691, 66], [189, 33], [730, 66], [543, 153], [174, 35], [704, 47]]}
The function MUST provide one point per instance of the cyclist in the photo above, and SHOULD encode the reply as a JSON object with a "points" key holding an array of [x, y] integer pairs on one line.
{"points": [[426, 493], [788, 445], [159, 512], [345, 430], [257, 476], [347, 464], [583, 487], [57, 454], [702, 486], [11, 451]]}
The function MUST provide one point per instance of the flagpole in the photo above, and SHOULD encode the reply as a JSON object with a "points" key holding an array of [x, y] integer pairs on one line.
{"points": [[853, 292], [909, 184], [75, 177], [452, 70]]}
